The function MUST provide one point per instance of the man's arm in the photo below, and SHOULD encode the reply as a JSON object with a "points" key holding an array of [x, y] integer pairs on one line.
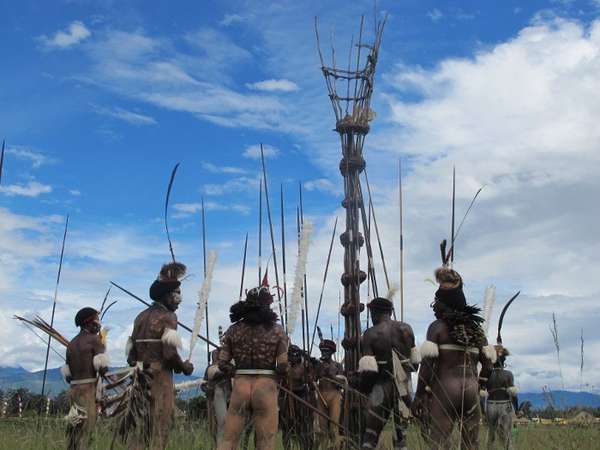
{"points": [[408, 341], [66, 370], [226, 355], [171, 341], [100, 361], [281, 363], [429, 355], [368, 370]]}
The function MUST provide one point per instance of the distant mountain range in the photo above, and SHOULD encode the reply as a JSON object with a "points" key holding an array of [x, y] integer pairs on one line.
{"points": [[17, 377], [561, 399]]}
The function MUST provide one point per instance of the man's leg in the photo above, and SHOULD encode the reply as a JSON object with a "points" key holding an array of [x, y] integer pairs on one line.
{"points": [[471, 417], [492, 423], [334, 401], [163, 408], [236, 413], [219, 406], [505, 426], [377, 416], [266, 412]]}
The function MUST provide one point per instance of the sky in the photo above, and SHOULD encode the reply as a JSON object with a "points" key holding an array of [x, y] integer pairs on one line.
{"points": [[100, 100]]}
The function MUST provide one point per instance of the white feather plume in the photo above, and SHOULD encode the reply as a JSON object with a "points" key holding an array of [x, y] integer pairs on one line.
{"points": [[296, 302], [203, 294], [489, 299], [393, 289]]}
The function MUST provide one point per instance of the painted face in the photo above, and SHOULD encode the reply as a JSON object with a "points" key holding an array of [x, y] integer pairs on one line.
{"points": [[173, 300], [93, 326], [326, 353]]}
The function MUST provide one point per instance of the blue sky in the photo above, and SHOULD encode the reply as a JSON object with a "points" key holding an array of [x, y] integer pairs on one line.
{"points": [[100, 100]]}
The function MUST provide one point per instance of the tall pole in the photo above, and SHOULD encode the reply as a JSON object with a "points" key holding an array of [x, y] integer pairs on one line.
{"points": [[204, 270], [264, 168], [243, 267], [62, 252], [285, 303], [260, 216], [452, 235], [401, 240], [2, 160]]}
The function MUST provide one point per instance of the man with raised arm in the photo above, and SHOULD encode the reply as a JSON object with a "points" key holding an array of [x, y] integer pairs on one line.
{"points": [[448, 387], [85, 362], [389, 357]]}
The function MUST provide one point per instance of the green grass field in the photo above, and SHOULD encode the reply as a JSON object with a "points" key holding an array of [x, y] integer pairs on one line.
{"points": [[29, 434]]}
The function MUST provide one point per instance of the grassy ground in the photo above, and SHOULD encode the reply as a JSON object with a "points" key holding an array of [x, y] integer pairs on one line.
{"points": [[29, 434]]}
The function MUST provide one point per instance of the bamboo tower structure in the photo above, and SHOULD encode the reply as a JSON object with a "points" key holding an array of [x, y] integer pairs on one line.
{"points": [[350, 90]]}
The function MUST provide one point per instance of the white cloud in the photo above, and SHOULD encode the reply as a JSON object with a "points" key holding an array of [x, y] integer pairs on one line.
{"points": [[253, 151], [188, 209], [37, 159], [213, 168], [229, 19], [75, 192], [75, 33], [125, 115], [324, 185], [195, 81], [273, 85], [435, 15], [31, 189], [235, 185]]}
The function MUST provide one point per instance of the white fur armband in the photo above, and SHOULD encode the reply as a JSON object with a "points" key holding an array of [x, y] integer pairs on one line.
{"points": [[212, 372], [483, 393], [65, 372], [512, 391], [368, 363], [170, 337], [128, 347], [429, 350], [490, 353], [100, 361], [415, 355]]}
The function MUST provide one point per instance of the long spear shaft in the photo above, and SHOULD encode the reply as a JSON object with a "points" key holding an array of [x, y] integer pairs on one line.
{"points": [[2, 160], [204, 270], [385, 272], [312, 341], [400, 204], [452, 235], [260, 214], [305, 292], [62, 253], [262, 157], [244, 266], [185, 327], [451, 251], [285, 302]]}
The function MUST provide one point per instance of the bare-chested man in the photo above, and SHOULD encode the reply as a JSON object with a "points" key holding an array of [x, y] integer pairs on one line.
{"points": [[330, 379], [389, 356], [85, 361], [154, 343], [296, 418], [499, 384], [259, 347], [448, 388]]}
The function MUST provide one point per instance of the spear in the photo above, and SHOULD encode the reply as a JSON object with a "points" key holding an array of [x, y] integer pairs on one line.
{"points": [[62, 252], [312, 341], [2, 160], [451, 251], [387, 280], [452, 235], [285, 302], [243, 267], [260, 214], [185, 327], [169, 187], [400, 204], [204, 269], [264, 169]]}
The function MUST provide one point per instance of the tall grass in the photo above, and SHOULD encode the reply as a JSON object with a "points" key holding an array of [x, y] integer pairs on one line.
{"points": [[48, 434]]}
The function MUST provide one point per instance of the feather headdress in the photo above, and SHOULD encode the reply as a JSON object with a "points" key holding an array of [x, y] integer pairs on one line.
{"points": [[295, 306], [203, 299]]}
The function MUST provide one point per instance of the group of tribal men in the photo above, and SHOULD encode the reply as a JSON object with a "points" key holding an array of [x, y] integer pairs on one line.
{"points": [[258, 380]]}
